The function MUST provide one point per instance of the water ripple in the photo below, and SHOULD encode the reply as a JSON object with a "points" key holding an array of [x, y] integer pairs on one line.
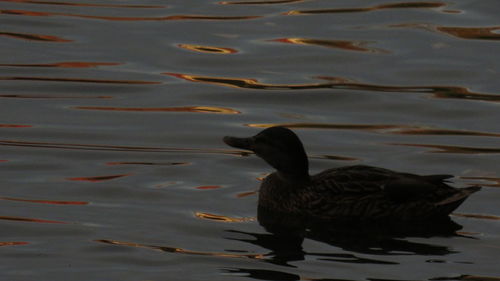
{"points": [[269, 2], [221, 218], [179, 250], [14, 126], [477, 216], [462, 32], [30, 220], [67, 64], [52, 202], [454, 149], [97, 147], [25, 96], [33, 37], [148, 163], [380, 128], [358, 46], [404, 5], [196, 109], [114, 18], [441, 92], [207, 49], [481, 33], [98, 178], [83, 4], [13, 243], [496, 181], [79, 80]]}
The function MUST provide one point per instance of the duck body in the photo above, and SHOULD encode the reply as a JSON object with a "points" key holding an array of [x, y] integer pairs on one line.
{"points": [[352, 193]]}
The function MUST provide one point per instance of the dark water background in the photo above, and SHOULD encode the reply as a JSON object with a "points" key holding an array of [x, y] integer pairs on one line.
{"points": [[112, 114]]}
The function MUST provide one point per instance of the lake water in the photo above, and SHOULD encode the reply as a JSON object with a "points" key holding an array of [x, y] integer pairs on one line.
{"points": [[112, 114]]}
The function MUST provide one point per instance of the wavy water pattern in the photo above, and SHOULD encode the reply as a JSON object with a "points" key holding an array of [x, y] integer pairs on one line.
{"points": [[21, 219], [13, 243], [196, 109], [462, 32], [380, 128], [442, 92], [207, 49], [148, 163], [14, 126], [271, 2], [114, 18], [403, 5], [52, 202], [27, 96], [179, 250], [221, 218], [96, 147], [67, 64], [79, 80], [357, 46], [98, 178], [495, 181], [33, 37], [479, 33], [58, 3], [477, 216], [454, 149]]}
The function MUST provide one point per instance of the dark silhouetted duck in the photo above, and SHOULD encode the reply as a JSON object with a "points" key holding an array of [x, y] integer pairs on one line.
{"points": [[350, 193]]}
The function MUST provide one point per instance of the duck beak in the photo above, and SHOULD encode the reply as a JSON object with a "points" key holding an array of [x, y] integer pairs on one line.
{"points": [[243, 143]]}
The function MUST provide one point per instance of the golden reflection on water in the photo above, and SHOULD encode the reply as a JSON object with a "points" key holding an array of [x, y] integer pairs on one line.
{"points": [[34, 37], [221, 218], [245, 194], [98, 178], [196, 109], [207, 49], [179, 250], [441, 92], [379, 128], [413, 5], [338, 44], [58, 3], [52, 202], [242, 82]]}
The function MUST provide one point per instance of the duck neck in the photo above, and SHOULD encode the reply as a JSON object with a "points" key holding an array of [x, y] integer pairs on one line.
{"points": [[294, 177]]}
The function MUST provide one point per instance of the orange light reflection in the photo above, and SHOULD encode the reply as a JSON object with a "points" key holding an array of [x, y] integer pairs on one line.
{"points": [[98, 178], [221, 218]]}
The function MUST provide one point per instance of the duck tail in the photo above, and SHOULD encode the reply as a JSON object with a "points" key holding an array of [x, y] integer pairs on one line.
{"points": [[452, 202], [462, 194]]}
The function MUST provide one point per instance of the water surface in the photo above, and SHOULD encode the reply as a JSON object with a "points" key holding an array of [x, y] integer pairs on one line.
{"points": [[112, 114]]}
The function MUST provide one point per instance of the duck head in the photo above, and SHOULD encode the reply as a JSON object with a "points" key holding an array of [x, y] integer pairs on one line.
{"points": [[280, 148]]}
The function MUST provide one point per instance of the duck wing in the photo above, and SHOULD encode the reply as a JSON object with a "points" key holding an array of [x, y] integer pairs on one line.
{"points": [[399, 187]]}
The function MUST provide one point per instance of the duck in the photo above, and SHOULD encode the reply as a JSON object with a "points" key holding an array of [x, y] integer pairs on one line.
{"points": [[352, 193]]}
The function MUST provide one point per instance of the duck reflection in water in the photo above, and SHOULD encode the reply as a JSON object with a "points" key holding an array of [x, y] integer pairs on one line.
{"points": [[358, 208]]}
